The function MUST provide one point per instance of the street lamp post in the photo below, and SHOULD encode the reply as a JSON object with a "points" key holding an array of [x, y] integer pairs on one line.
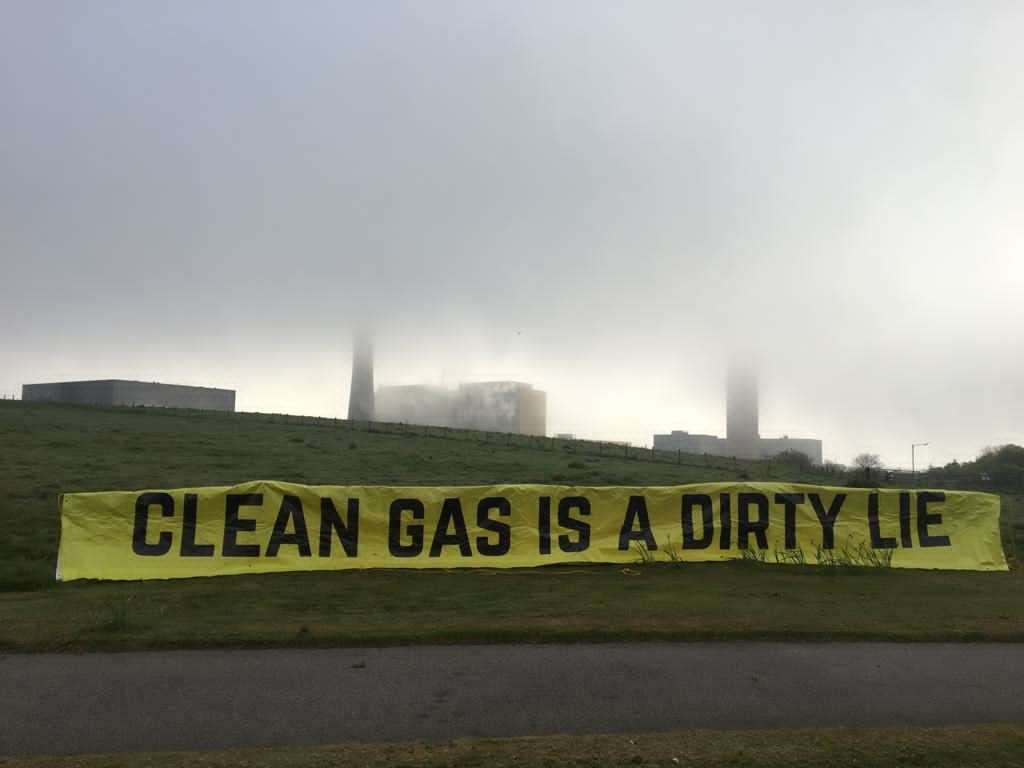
{"points": [[913, 463]]}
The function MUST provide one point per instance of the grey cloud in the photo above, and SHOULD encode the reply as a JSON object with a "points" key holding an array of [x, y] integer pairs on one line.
{"points": [[605, 199]]}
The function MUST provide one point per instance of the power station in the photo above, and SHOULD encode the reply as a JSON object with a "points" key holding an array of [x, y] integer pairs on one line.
{"points": [[742, 436], [487, 406]]}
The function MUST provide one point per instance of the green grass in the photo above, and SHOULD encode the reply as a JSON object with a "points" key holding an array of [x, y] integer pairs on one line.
{"points": [[991, 746], [734, 600], [49, 449]]}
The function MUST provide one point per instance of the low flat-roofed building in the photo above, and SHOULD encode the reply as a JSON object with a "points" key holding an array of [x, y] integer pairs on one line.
{"points": [[678, 440], [111, 392], [772, 446], [759, 448]]}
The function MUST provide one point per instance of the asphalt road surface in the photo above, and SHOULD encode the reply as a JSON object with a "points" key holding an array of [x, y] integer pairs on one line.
{"points": [[65, 704]]}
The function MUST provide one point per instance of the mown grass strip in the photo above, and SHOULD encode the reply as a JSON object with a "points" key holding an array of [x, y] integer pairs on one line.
{"points": [[992, 746], [667, 601]]}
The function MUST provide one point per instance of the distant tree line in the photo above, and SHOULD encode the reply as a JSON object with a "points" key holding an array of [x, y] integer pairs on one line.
{"points": [[997, 468]]}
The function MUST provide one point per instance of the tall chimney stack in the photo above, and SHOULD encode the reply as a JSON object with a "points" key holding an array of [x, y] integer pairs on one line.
{"points": [[741, 428], [360, 396]]}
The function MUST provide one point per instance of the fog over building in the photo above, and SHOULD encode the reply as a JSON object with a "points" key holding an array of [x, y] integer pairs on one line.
{"points": [[501, 406], [108, 392], [488, 406], [742, 436], [741, 430], [415, 404]]}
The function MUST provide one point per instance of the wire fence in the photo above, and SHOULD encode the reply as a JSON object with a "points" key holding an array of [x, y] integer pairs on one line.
{"points": [[557, 445], [1011, 481]]}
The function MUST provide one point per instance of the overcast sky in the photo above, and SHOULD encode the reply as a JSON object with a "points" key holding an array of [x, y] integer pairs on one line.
{"points": [[608, 200]]}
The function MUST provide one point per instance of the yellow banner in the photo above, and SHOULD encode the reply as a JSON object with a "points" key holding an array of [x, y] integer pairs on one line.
{"points": [[261, 526]]}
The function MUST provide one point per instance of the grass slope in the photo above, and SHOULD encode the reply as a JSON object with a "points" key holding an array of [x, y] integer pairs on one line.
{"points": [[48, 449], [597, 603], [991, 746]]}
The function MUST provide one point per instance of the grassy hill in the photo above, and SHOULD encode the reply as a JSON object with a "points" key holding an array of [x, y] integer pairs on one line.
{"points": [[51, 449], [48, 449]]}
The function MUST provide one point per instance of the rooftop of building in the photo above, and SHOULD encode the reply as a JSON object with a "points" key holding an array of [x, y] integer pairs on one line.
{"points": [[124, 381]]}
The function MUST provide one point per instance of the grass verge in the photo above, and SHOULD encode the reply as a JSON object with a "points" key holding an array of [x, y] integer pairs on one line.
{"points": [[667, 601], [48, 449], [960, 747], [52, 448]]}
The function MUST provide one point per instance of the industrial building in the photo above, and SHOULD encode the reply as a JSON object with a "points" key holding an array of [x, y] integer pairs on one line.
{"points": [[488, 406], [120, 392], [501, 406], [742, 436], [416, 404]]}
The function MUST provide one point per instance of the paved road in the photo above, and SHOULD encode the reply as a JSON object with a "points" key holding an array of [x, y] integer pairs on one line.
{"points": [[216, 699]]}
